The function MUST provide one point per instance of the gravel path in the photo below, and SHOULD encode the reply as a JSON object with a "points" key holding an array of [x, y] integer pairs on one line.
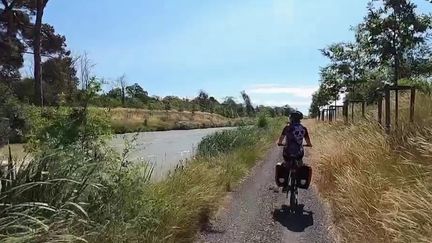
{"points": [[255, 213]]}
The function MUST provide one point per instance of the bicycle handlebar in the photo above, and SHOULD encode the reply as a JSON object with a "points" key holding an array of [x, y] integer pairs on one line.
{"points": [[304, 145]]}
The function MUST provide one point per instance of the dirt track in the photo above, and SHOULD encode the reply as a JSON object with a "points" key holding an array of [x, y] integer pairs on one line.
{"points": [[255, 213]]}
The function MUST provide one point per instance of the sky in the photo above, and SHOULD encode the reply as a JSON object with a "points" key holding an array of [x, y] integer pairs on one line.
{"points": [[269, 48]]}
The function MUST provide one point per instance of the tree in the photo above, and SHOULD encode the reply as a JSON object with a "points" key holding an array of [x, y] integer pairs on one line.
{"points": [[248, 103], [85, 66], [173, 101], [288, 110], [213, 103], [390, 31], [21, 35], [167, 106], [37, 40], [202, 100], [122, 83], [23, 90], [230, 107], [13, 18], [135, 91], [270, 111], [59, 79], [115, 93], [332, 81], [347, 67]]}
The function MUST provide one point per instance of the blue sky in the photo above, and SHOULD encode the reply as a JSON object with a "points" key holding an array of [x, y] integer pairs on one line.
{"points": [[177, 47]]}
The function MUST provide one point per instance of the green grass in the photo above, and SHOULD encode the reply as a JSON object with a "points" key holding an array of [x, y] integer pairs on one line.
{"points": [[379, 185], [228, 140]]}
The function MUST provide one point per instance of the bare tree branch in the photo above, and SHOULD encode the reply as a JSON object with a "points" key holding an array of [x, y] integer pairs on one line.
{"points": [[122, 82], [84, 68]]}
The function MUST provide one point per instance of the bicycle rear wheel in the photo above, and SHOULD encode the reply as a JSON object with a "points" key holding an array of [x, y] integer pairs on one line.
{"points": [[293, 190]]}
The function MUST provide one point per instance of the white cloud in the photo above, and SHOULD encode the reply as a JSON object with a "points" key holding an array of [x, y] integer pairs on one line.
{"points": [[299, 91], [292, 103]]}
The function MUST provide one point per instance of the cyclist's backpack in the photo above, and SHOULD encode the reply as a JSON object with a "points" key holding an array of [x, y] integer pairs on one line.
{"points": [[304, 176]]}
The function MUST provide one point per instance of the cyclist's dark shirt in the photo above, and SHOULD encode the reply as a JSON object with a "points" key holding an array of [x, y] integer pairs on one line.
{"points": [[294, 135]]}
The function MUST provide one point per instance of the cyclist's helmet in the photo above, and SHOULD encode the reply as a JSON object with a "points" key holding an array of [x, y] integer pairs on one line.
{"points": [[296, 116]]}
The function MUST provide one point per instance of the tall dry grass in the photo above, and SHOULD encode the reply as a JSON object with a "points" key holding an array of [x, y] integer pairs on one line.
{"points": [[379, 185]]}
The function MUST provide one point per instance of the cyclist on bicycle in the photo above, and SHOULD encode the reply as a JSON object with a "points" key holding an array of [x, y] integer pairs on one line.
{"points": [[294, 133]]}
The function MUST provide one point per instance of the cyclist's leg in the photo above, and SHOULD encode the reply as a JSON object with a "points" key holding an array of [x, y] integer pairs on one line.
{"points": [[288, 162]]}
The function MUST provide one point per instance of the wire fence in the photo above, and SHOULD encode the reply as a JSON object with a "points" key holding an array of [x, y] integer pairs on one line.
{"points": [[355, 110]]}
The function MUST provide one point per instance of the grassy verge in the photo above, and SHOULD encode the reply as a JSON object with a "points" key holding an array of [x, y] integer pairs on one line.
{"points": [[379, 185]]}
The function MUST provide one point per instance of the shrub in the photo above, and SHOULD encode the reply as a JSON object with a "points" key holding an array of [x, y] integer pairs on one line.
{"points": [[16, 117], [262, 121], [228, 140]]}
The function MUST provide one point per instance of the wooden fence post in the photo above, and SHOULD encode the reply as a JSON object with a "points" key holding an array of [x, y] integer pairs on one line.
{"points": [[352, 111], [335, 113], [396, 106], [322, 115], [387, 109], [363, 109], [412, 104], [380, 110], [345, 111]]}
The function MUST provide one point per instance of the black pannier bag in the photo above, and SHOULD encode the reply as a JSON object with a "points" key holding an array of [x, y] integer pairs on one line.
{"points": [[281, 175], [304, 176]]}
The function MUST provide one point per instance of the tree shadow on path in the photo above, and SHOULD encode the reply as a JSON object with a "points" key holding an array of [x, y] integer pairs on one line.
{"points": [[294, 219]]}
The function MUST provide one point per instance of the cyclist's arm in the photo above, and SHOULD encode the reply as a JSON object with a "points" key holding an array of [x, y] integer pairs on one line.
{"points": [[282, 136]]}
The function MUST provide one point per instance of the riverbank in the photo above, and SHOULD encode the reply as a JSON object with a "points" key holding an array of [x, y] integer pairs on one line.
{"points": [[126, 120]]}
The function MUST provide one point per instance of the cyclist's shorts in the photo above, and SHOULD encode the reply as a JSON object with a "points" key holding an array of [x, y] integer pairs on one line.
{"points": [[290, 159]]}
